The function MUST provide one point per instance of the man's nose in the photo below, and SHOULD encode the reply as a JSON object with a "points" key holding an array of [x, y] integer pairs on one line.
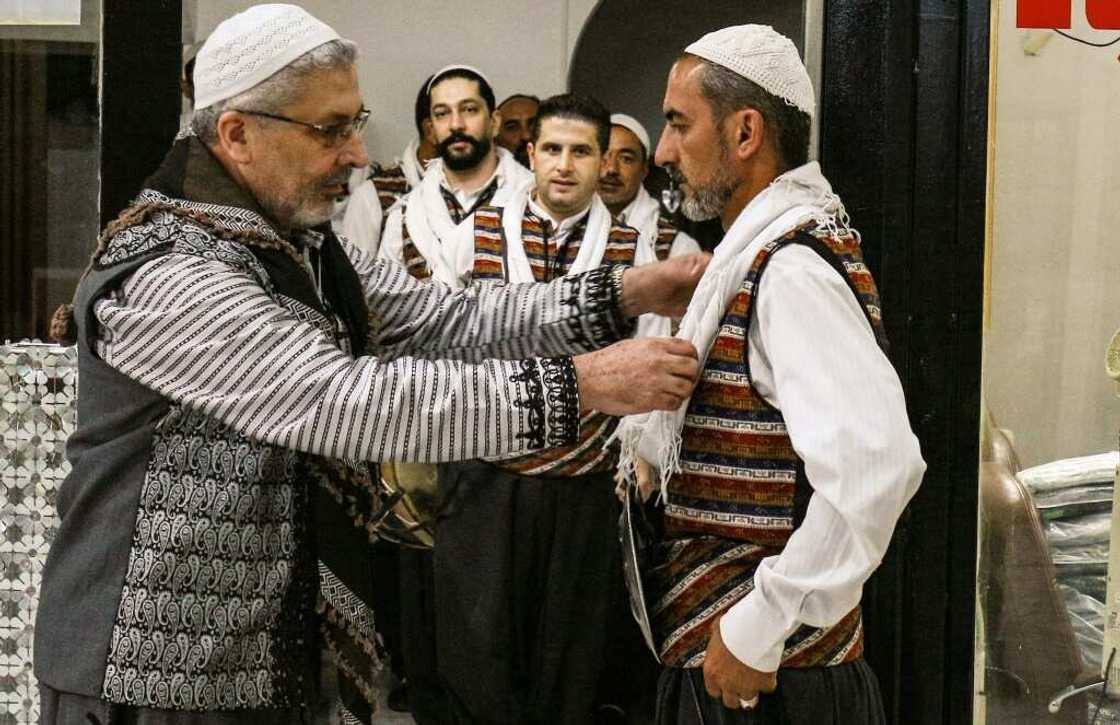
{"points": [[354, 152], [565, 162], [666, 153]]}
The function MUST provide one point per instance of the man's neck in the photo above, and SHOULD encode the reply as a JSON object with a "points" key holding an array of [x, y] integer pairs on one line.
{"points": [[471, 180], [741, 196], [558, 217], [616, 209]]}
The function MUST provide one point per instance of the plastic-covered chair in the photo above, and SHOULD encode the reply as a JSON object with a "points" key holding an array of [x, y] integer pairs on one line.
{"points": [[1031, 652]]}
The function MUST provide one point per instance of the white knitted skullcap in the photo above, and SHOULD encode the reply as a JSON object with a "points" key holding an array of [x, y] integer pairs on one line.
{"points": [[762, 55], [632, 125], [253, 45], [458, 66]]}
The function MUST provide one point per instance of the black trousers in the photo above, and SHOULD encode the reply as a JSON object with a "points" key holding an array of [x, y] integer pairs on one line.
{"points": [[528, 581], [847, 694], [426, 696], [65, 708]]}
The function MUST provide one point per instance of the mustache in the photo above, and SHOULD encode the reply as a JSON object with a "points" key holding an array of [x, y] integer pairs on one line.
{"points": [[457, 137]]}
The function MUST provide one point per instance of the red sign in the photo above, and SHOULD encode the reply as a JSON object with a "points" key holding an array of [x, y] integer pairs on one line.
{"points": [[1101, 14]]}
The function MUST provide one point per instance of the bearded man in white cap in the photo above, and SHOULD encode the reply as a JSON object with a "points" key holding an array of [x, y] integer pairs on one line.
{"points": [[785, 472], [241, 368], [429, 230]]}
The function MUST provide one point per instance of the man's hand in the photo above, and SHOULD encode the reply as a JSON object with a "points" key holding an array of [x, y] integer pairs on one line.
{"points": [[637, 376], [664, 288], [728, 679]]}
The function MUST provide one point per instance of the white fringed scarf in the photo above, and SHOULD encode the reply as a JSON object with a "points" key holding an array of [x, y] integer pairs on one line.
{"points": [[792, 200], [410, 165], [448, 247], [642, 214]]}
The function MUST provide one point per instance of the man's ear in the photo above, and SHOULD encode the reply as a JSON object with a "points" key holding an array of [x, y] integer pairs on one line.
{"points": [[531, 150], [748, 133], [233, 136], [429, 131], [495, 123]]}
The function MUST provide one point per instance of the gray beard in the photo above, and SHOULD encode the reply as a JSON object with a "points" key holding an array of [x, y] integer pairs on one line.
{"points": [[701, 204], [292, 216]]}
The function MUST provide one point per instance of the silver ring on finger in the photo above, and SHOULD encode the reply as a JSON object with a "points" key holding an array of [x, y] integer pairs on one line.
{"points": [[748, 704]]}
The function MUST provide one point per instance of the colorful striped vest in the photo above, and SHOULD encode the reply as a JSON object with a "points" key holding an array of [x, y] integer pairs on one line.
{"points": [[413, 260], [391, 184], [588, 455], [742, 489], [666, 235]]}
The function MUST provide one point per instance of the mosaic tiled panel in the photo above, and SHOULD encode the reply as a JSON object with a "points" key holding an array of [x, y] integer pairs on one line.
{"points": [[38, 390]]}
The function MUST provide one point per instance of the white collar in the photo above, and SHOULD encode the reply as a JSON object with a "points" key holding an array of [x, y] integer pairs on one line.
{"points": [[563, 227]]}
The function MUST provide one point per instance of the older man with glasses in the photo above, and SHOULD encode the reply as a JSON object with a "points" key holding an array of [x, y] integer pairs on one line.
{"points": [[241, 368]]}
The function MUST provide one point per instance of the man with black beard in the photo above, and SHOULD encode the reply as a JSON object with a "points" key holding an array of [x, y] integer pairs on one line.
{"points": [[429, 230]]}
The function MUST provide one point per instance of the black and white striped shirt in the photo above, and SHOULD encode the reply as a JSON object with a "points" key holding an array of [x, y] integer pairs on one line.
{"points": [[448, 381]]}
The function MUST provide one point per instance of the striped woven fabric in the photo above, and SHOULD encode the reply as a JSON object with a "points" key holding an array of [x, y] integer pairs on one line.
{"points": [[391, 184], [666, 233], [733, 503], [414, 261], [588, 454]]}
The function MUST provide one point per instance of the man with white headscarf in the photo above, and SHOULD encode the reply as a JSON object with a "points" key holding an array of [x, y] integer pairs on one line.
{"points": [[784, 474], [429, 230], [382, 186], [625, 166], [240, 369]]}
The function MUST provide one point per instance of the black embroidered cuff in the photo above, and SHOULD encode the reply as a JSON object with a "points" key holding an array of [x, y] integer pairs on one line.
{"points": [[597, 320], [561, 399], [551, 402], [532, 403]]}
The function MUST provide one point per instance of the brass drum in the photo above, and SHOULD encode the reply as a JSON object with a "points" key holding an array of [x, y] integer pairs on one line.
{"points": [[412, 499]]}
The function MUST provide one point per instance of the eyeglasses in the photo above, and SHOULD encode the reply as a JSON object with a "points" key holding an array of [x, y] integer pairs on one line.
{"points": [[336, 134]]}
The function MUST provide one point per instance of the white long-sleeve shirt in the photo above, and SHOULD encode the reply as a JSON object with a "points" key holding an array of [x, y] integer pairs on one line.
{"points": [[813, 356]]}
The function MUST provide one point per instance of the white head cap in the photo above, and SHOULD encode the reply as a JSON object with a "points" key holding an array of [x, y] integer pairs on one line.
{"points": [[251, 46], [761, 55], [458, 66], [632, 125]]}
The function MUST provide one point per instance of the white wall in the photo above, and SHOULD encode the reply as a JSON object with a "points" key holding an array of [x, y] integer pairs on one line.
{"points": [[521, 46], [1055, 257]]}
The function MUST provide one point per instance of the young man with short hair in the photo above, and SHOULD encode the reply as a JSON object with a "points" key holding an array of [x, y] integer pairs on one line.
{"points": [[528, 574]]}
